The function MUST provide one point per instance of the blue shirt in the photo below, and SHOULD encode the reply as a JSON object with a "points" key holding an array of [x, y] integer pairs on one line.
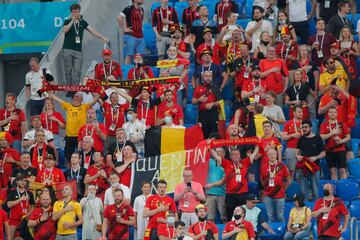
{"points": [[216, 173], [216, 69]]}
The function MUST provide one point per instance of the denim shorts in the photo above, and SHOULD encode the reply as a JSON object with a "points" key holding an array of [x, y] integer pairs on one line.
{"points": [[134, 45]]}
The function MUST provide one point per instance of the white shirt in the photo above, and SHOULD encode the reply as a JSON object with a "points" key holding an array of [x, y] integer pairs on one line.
{"points": [[109, 197], [34, 80], [121, 99], [358, 26], [297, 10], [139, 205], [252, 215], [265, 27], [29, 135]]}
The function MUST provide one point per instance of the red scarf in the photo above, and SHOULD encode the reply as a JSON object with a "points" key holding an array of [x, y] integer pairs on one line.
{"points": [[38, 165]]}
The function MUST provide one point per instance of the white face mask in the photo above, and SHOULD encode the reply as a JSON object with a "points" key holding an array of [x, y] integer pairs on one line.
{"points": [[115, 184], [170, 220], [168, 119], [90, 195]]}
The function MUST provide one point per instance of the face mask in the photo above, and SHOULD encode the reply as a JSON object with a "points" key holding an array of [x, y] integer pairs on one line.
{"points": [[282, 21], [91, 196], [326, 192], [170, 220], [238, 216], [168, 119], [202, 219], [265, 43], [129, 117]]}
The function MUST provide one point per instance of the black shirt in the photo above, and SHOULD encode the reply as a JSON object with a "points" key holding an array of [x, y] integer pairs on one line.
{"points": [[327, 12], [301, 90], [79, 176], [310, 147], [336, 23], [112, 150], [85, 156], [28, 172]]}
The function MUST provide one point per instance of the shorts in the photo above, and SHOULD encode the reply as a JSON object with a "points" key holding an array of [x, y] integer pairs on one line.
{"points": [[336, 159], [290, 156], [134, 45]]}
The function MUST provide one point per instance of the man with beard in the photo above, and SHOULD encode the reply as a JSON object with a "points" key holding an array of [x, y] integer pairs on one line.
{"points": [[118, 217], [40, 219], [107, 67], [207, 96], [77, 173], [332, 76], [239, 227], [67, 213], [335, 97], [203, 229], [24, 168], [222, 10], [255, 88], [287, 49], [40, 150], [311, 147], [169, 108]]}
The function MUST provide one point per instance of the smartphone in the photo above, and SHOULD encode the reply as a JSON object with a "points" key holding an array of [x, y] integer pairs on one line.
{"points": [[188, 184]]}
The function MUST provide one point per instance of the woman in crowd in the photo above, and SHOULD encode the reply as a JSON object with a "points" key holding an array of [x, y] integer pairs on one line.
{"points": [[283, 21], [265, 42]]}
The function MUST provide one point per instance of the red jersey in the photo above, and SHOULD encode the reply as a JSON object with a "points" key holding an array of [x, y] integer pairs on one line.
{"points": [[103, 70], [341, 108], [44, 228], [5, 155], [166, 231], [14, 126], [272, 142], [125, 176], [188, 17], [207, 92], [273, 177], [236, 175], [3, 219], [329, 226], [274, 80], [283, 51], [51, 125], [153, 202], [117, 230], [198, 227], [114, 117], [247, 226], [90, 130], [259, 97], [330, 145], [100, 182], [175, 111], [291, 127], [146, 110], [55, 175], [217, 52]]}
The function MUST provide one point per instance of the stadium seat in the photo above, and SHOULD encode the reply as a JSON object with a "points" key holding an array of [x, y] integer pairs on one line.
{"points": [[347, 190], [310, 204], [312, 24], [279, 229], [249, 8], [253, 188], [149, 38], [228, 91], [125, 68], [190, 114], [324, 170], [263, 210], [294, 188], [156, 71], [354, 209], [179, 8], [243, 22], [322, 183], [190, 92], [353, 18], [288, 207], [228, 111], [355, 131], [211, 7], [354, 167], [221, 229]]}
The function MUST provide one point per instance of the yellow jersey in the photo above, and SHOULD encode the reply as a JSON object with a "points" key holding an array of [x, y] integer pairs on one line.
{"points": [[342, 78], [75, 118], [69, 217]]}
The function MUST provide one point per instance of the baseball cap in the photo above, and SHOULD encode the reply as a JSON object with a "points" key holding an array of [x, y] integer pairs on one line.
{"points": [[107, 52]]}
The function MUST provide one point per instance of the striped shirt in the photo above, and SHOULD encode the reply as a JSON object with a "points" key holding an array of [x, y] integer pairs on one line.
{"points": [[221, 10], [188, 17], [134, 20], [160, 14]]}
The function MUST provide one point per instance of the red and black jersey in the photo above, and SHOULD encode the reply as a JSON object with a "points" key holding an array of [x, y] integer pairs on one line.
{"points": [[188, 17], [104, 70], [135, 74], [161, 14], [134, 20], [118, 230], [221, 10]]}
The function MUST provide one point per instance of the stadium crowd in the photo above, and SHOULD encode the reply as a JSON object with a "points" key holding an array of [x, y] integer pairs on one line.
{"points": [[296, 92]]}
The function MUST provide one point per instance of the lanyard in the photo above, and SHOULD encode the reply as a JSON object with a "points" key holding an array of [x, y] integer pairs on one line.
{"points": [[342, 19], [234, 49], [48, 122], [89, 132], [203, 69], [134, 73], [237, 169], [202, 228], [24, 208], [287, 50], [295, 126], [322, 40], [273, 172], [49, 176], [117, 111], [226, 4], [146, 110], [331, 203], [336, 126], [77, 175], [122, 148], [254, 85], [297, 91], [167, 13], [77, 28], [104, 68], [86, 163]]}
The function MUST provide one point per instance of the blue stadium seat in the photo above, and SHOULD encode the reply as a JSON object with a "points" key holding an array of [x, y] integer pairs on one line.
{"points": [[322, 183], [355, 131], [315, 125], [354, 167], [190, 114], [190, 92], [312, 24], [253, 188], [310, 204], [288, 207], [324, 170], [279, 229], [211, 7], [157, 4], [156, 71], [249, 8], [228, 111], [263, 210], [221, 229], [294, 188], [125, 68], [149, 38], [228, 91], [347, 190], [243, 22], [179, 8], [354, 209], [354, 19]]}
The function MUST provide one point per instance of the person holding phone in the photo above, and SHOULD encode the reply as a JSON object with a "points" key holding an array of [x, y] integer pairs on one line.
{"points": [[189, 194]]}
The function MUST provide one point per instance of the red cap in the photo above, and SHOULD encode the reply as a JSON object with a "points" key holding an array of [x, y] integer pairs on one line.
{"points": [[107, 52], [7, 136], [35, 116], [335, 45]]}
